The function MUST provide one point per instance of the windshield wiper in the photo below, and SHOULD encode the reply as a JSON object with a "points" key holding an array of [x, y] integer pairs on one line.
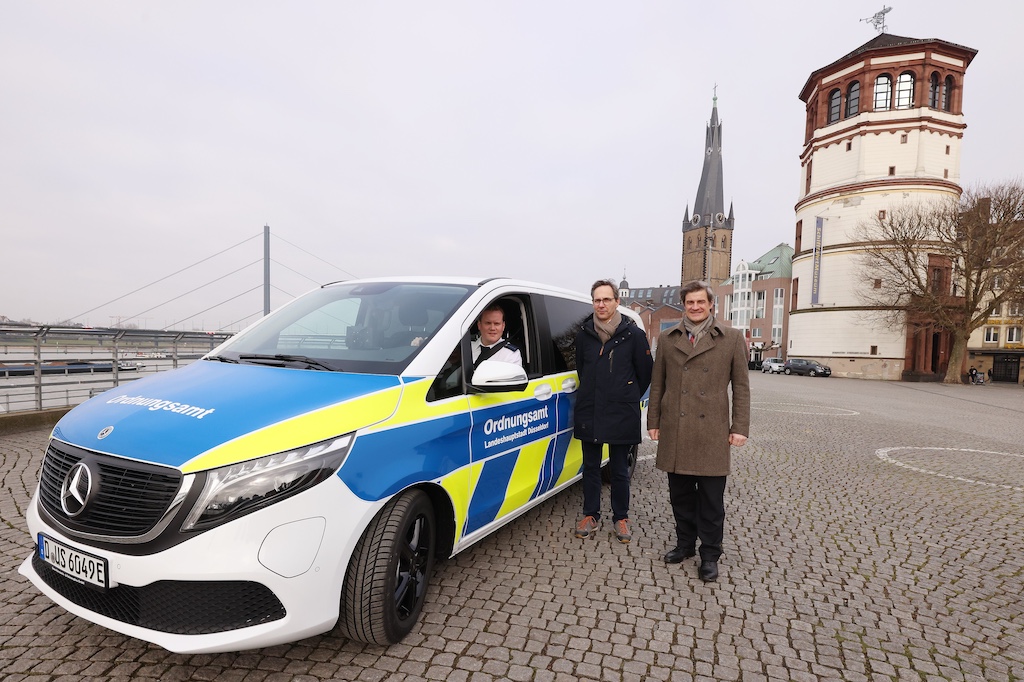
{"points": [[221, 358], [280, 359]]}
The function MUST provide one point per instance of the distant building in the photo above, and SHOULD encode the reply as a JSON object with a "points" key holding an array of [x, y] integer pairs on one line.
{"points": [[756, 300], [658, 307], [999, 345], [884, 125]]}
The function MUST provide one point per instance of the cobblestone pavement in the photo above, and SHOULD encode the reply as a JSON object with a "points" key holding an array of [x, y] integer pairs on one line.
{"points": [[874, 532]]}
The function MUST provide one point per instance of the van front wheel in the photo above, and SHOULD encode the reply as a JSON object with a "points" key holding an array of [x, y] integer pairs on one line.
{"points": [[386, 582]]}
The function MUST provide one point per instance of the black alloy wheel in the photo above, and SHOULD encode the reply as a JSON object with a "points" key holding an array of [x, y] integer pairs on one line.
{"points": [[386, 582]]}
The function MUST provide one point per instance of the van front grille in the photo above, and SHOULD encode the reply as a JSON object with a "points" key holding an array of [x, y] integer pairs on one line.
{"points": [[128, 497]]}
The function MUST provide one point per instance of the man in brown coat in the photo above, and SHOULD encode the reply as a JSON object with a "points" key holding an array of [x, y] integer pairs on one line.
{"points": [[689, 414]]}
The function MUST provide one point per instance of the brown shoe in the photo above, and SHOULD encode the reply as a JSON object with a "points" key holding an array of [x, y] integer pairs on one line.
{"points": [[586, 527], [622, 533]]}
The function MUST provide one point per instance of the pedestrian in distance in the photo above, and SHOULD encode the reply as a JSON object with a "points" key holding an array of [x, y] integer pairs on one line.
{"points": [[613, 361], [690, 416]]}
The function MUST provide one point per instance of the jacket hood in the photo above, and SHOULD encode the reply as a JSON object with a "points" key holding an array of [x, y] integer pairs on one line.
{"points": [[210, 413]]}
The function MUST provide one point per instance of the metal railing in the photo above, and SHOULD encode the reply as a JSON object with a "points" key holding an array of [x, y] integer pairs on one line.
{"points": [[45, 367]]}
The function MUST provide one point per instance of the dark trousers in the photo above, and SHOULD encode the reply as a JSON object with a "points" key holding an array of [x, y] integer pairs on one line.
{"points": [[698, 504], [618, 462]]}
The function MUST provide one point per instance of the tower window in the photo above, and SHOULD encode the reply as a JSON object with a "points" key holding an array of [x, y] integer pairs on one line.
{"points": [[849, 145], [892, 170], [933, 91], [947, 94], [853, 99], [881, 214], [903, 138], [947, 150], [883, 92], [835, 104], [874, 350], [798, 236], [945, 173], [905, 91]]}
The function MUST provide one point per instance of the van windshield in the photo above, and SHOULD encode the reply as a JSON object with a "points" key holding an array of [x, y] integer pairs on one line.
{"points": [[371, 327]]}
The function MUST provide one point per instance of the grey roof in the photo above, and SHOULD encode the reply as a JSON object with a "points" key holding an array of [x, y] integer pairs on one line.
{"points": [[659, 294], [710, 200]]}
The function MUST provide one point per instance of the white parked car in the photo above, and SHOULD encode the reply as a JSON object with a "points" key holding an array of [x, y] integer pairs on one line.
{"points": [[772, 365]]}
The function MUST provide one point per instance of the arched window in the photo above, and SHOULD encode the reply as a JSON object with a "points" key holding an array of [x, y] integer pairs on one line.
{"points": [[883, 92], [933, 91], [905, 91], [947, 94], [853, 99], [835, 105]]}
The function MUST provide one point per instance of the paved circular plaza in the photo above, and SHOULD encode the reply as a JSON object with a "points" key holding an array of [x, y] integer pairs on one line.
{"points": [[875, 531]]}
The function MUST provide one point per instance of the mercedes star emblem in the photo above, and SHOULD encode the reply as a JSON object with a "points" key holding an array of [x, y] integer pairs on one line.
{"points": [[75, 491]]}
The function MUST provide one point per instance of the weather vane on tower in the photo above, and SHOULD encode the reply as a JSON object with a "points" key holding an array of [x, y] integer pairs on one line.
{"points": [[878, 19]]}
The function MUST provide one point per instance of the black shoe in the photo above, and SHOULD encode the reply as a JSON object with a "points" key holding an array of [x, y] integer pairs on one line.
{"points": [[677, 554], [708, 571]]}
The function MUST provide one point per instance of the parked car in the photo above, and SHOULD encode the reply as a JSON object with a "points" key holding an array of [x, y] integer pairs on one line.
{"points": [[773, 365], [310, 469], [811, 368]]}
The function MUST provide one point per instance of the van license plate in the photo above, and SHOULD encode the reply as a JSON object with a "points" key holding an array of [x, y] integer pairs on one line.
{"points": [[78, 566]]}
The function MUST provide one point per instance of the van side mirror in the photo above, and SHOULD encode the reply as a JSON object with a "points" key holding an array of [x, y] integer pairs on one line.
{"points": [[495, 376]]}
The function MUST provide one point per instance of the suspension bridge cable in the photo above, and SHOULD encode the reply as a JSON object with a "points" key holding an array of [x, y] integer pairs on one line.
{"points": [[277, 262], [260, 234], [315, 256], [239, 321], [258, 286], [192, 292]]}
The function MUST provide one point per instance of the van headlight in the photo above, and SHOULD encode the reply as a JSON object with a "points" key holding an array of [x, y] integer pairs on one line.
{"points": [[239, 489]]}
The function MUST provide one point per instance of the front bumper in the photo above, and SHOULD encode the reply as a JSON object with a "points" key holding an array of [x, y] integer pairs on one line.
{"points": [[270, 577]]}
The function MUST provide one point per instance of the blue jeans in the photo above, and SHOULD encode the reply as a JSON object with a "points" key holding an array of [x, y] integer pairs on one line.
{"points": [[618, 463]]}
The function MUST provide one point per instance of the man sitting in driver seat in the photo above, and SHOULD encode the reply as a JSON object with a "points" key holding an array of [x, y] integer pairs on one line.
{"points": [[491, 345]]}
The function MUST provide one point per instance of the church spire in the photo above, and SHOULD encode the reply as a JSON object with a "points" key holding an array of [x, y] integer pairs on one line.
{"points": [[707, 233], [710, 194]]}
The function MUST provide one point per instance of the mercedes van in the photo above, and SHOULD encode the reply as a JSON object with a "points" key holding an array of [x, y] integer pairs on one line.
{"points": [[306, 473]]}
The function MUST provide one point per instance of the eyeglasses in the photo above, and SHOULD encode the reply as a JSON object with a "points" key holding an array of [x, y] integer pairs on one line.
{"points": [[604, 301]]}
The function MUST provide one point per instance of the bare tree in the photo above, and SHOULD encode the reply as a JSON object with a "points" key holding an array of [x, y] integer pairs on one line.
{"points": [[947, 263]]}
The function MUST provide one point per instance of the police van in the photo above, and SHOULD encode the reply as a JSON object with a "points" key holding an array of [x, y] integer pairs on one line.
{"points": [[306, 473]]}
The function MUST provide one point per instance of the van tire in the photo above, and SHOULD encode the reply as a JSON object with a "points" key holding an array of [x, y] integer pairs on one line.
{"points": [[387, 578]]}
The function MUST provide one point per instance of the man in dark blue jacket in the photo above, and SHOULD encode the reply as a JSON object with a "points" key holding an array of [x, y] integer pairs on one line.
{"points": [[613, 360]]}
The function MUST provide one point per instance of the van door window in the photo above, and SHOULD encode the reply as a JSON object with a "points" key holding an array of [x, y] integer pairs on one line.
{"points": [[520, 331], [565, 318]]}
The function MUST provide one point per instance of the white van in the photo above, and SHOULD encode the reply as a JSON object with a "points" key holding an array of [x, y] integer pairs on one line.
{"points": [[308, 471]]}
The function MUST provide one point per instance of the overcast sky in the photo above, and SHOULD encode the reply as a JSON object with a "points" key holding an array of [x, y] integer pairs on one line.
{"points": [[554, 141]]}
